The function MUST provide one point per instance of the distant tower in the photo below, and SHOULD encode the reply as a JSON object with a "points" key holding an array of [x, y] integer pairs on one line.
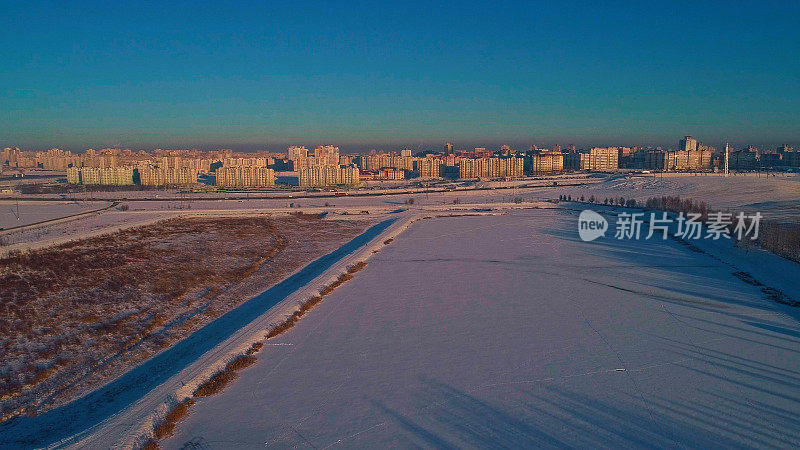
{"points": [[727, 156], [448, 148]]}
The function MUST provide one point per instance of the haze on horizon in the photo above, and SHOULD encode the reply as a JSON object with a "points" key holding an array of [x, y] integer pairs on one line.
{"points": [[362, 75]]}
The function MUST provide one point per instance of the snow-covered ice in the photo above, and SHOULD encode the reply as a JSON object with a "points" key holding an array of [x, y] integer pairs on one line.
{"points": [[508, 331]]}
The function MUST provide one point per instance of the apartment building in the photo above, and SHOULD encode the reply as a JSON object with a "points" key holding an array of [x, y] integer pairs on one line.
{"points": [[109, 176], [166, 176], [379, 161], [428, 167], [596, 158], [490, 167], [245, 176], [544, 162], [321, 176]]}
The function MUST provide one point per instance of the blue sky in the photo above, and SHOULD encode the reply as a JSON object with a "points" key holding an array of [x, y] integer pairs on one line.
{"points": [[264, 74]]}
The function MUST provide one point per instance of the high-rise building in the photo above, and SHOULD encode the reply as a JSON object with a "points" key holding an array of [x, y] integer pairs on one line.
{"points": [[166, 176], [107, 176], [295, 152], [543, 162], [687, 144], [245, 176], [321, 176], [428, 167], [490, 167], [328, 153], [448, 148], [596, 158]]}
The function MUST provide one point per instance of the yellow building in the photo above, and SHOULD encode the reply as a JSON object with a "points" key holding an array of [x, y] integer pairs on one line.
{"points": [[320, 176], [490, 167], [73, 175], [110, 176], [429, 167], [166, 176], [546, 162], [245, 176]]}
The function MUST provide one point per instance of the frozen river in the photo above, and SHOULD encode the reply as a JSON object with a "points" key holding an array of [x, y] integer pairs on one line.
{"points": [[508, 331]]}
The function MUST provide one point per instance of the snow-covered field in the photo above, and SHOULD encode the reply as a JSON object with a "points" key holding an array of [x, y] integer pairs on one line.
{"points": [[14, 214], [507, 331], [493, 330], [778, 195]]}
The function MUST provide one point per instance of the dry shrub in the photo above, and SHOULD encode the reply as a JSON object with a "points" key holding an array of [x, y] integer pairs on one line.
{"points": [[782, 239], [677, 204], [224, 377], [356, 267], [241, 362], [151, 444], [309, 304], [287, 324], [339, 281], [284, 326], [177, 413], [326, 290], [44, 374], [255, 348]]}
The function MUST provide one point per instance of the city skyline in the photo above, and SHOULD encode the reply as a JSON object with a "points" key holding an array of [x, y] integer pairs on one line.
{"points": [[417, 148], [364, 75]]}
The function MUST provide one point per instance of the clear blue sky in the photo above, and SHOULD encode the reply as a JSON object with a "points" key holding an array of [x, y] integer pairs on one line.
{"points": [[263, 74]]}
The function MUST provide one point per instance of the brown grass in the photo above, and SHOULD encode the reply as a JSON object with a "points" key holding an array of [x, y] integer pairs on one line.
{"points": [[309, 304], [224, 377], [255, 348], [339, 281], [356, 267], [167, 426], [151, 444], [75, 315]]}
